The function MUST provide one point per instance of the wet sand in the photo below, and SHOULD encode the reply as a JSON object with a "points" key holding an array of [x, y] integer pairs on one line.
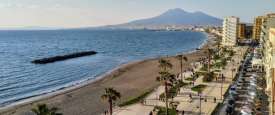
{"points": [[130, 80]]}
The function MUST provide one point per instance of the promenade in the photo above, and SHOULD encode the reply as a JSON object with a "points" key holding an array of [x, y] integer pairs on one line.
{"points": [[214, 89]]}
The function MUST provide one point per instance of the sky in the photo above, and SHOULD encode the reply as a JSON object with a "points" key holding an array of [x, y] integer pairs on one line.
{"points": [[89, 13]]}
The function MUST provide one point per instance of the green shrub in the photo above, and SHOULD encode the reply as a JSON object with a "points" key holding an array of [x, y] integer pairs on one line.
{"points": [[181, 84], [204, 67], [209, 77], [217, 57], [200, 73], [218, 65], [199, 88], [136, 99], [231, 53], [173, 91], [189, 79]]}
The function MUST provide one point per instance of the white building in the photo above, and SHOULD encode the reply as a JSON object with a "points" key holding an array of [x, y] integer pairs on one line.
{"points": [[230, 31]]}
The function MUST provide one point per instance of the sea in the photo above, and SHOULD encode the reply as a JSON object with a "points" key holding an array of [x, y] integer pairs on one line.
{"points": [[20, 79]]}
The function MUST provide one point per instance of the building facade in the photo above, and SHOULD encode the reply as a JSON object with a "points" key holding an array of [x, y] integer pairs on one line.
{"points": [[272, 69], [267, 24], [268, 21], [269, 65], [241, 30], [230, 31], [267, 41], [258, 21]]}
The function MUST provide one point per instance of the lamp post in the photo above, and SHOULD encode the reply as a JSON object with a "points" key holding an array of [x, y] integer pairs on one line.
{"points": [[232, 70], [200, 101], [200, 104], [157, 97], [222, 77]]}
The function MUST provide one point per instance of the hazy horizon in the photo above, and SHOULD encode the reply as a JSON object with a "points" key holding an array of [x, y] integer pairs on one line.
{"points": [[91, 13]]}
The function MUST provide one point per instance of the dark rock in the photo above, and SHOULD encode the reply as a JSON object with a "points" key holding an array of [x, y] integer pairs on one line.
{"points": [[63, 57]]}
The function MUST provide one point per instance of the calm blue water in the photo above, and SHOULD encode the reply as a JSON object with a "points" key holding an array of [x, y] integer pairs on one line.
{"points": [[21, 79]]}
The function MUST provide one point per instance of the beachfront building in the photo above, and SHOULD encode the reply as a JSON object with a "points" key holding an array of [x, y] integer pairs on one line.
{"points": [[230, 31], [269, 65], [268, 22], [257, 27], [267, 41], [272, 69], [241, 31]]}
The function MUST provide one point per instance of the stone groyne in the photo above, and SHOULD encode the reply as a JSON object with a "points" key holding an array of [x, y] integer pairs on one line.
{"points": [[63, 57]]}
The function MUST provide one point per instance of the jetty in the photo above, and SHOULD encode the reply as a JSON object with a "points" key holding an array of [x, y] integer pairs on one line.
{"points": [[63, 57]]}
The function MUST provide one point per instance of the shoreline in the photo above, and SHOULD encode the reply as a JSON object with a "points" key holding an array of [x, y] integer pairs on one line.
{"points": [[68, 88], [117, 71], [88, 81], [82, 83]]}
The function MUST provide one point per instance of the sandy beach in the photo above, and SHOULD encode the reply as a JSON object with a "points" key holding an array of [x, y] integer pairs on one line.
{"points": [[130, 80]]}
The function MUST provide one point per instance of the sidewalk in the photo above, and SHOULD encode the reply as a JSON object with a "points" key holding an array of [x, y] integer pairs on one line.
{"points": [[213, 90]]}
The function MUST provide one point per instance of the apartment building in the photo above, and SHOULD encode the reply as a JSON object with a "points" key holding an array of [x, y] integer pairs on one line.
{"points": [[230, 31]]}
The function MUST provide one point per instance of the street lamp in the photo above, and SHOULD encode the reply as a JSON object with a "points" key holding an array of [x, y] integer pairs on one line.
{"points": [[222, 77], [200, 100], [232, 70], [200, 104]]}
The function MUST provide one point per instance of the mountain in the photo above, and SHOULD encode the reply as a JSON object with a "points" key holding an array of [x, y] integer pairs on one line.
{"points": [[178, 17]]}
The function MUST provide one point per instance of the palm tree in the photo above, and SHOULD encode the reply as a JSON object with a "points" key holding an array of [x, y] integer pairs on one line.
{"points": [[166, 79], [110, 95], [164, 65], [209, 52], [42, 109], [181, 58], [219, 47], [174, 105]]}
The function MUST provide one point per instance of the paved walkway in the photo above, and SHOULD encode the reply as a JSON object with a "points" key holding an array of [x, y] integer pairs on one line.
{"points": [[135, 109], [190, 107], [213, 89]]}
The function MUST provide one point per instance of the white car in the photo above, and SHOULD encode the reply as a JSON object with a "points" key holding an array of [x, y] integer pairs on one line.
{"points": [[246, 111]]}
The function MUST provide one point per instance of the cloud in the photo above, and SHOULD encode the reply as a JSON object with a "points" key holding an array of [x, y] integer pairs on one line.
{"points": [[18, 5], [6, 5], [33, 6], [2, 5]]}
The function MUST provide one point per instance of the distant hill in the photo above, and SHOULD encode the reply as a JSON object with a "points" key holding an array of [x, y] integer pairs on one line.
{"points": [[171, 17], [178, 17]]}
